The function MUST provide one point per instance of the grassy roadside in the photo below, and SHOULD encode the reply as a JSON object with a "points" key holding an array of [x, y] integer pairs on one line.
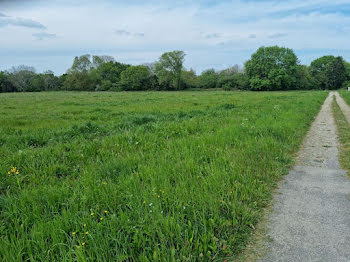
{"points": [[345, 94], [344, 134], [142, 176]]}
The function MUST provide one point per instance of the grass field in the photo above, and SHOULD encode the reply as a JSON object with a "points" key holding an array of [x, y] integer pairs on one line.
{"points": [[146, 176], [344, 131]]}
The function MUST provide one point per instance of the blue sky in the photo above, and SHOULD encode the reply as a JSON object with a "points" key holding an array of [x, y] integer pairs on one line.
{"points": [[214, 34]]}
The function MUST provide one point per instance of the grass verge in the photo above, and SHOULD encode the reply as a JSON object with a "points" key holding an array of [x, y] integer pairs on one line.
{"points": [[345, 94], [344, 135]]}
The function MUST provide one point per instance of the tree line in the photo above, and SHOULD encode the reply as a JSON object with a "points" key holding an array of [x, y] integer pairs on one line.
{"points": [[269, 68]]}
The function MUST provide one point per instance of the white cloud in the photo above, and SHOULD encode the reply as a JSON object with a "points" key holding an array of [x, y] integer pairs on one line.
{"points": [[21, 22], [278, 35], [127, 33], [43, 35]]}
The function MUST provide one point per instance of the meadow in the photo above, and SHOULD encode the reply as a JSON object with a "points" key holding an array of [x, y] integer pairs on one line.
{"points": [[142, 176]]}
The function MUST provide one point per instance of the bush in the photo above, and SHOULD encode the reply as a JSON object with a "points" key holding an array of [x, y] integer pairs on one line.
{"points": [[234, 81]]}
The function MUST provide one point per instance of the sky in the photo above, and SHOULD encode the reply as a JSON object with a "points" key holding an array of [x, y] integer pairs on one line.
{"points": [[213, 33]]}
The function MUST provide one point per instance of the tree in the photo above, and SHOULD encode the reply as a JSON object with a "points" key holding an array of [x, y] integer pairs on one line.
{"points": [[169, 69], [151, 66], [50, 81], [318, 70], [20, 68], [232, 78], [102, 73], [5, 84], [329, 72], [79, 81], [21, 77], [37, 84], [304, 80], [272, 68], [190, 79], [208, 79], [347, 67], [111, 71], [97, 61], [81, 64], [346, 83], [60, 81], [335, 73], [136, 78]]}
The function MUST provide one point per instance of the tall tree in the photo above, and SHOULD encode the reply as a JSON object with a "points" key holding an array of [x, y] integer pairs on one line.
{"points": [[81, 64], [318, 69], [336, 73], [169, 68], [272, 68], [329, 72]]}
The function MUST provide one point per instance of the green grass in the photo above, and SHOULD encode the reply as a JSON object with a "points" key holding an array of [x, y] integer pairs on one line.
{"points": [[343, 132], [345, 94], [184, 176]]}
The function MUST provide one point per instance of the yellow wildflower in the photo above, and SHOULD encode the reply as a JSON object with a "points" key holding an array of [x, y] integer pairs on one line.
{"points": [[101, 218], [106, 211], [87, 232], [84, 225], [92, 214], [83, 244], [73, 233]]}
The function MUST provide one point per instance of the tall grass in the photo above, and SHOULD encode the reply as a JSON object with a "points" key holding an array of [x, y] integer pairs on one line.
{"points": [[142, 176]]}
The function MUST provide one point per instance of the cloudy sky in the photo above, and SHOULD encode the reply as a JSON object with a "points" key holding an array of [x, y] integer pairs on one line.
{"points": [[213, 33]]}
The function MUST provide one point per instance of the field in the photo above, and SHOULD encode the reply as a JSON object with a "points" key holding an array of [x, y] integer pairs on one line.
{"points": [[146, 176]]}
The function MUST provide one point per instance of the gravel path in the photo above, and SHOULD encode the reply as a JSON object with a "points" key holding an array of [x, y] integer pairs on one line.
{"points": [[310, 220]]}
